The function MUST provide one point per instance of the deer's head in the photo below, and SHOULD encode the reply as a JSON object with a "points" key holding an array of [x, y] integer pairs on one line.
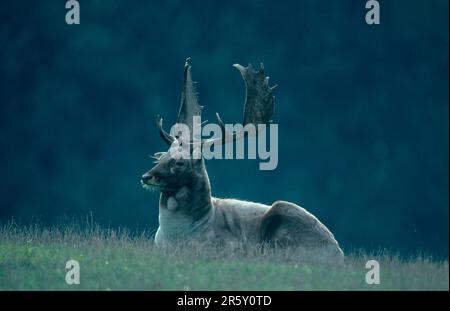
{"points": [[171, 173], [174, 169]]}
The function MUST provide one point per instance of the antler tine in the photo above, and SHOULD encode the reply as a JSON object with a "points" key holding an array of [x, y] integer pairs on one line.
{"points": [[169, 139], [222, 126], [226, 136]]}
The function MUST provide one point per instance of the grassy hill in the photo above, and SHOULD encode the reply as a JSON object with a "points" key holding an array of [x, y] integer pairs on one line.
{"points": [[33, 258]]}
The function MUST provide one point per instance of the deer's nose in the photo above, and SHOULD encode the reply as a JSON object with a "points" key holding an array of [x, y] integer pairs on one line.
{"points": [[146, 178]]}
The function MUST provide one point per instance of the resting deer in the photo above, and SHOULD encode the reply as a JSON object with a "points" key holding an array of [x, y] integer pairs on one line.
{"points": [[187, 210]]}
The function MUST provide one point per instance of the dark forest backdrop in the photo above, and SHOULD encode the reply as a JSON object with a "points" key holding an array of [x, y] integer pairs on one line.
{"points": [[363, 110]]}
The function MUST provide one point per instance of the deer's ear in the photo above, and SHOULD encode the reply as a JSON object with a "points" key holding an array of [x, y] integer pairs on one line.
{"points": [[158, 155]]}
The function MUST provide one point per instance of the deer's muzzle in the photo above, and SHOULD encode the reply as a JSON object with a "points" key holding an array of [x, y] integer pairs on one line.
{"points": [[148, 179]]}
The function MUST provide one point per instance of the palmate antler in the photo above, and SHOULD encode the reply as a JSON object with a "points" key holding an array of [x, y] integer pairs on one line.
{"points": [[189, 107], [258, 106]]}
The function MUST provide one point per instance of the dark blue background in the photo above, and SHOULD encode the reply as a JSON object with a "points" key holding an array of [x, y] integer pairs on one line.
{"points": [[363, 110]]}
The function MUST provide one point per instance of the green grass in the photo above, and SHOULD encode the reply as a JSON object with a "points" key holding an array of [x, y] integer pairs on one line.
{"points": [[32, 258]]}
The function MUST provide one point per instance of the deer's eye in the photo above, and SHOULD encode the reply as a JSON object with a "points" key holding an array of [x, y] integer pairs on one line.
{"points": [[179, 163]]}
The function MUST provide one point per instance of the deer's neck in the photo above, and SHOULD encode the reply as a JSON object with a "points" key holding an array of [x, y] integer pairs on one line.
{"points": [[186, 210]]}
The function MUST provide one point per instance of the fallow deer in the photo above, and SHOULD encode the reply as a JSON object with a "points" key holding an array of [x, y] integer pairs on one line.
{"points": [[187, 209]]}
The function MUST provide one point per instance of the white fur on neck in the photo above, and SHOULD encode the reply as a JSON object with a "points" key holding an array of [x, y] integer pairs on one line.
{"points": [[173, 221], [172, 204]]}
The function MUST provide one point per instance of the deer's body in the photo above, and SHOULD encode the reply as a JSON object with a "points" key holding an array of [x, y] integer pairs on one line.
{"points": [[231, 222], [187, 210]]}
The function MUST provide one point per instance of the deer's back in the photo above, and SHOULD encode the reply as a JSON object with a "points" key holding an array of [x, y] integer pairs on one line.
{"points": [[237, 220]]}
